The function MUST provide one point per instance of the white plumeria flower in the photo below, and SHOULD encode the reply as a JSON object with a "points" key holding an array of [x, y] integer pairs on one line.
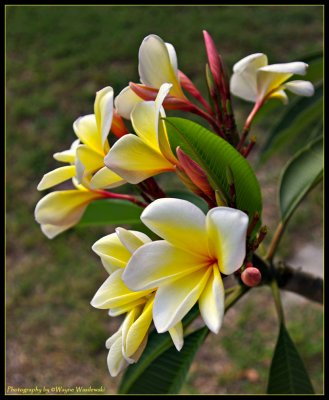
{"points": [[157, 65], [126, 345], [256, 81], [136, 158], [186, 266]]}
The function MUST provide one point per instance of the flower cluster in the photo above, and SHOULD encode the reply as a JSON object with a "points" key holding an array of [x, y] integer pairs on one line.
{"points": [[160, 281]]}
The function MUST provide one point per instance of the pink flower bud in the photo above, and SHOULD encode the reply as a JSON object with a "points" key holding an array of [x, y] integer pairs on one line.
{"points": [[251, 276], [213, 58], [194, 172]]}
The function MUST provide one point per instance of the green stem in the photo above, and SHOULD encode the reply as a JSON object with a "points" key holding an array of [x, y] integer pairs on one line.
{"points": [[275, 242], [277, 299]]}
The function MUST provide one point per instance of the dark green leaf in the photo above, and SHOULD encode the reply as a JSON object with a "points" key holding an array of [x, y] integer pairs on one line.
{"points": [[167, 374], [215, 156], [287, 373], [110, 212], [300, 116], [300, 175]]}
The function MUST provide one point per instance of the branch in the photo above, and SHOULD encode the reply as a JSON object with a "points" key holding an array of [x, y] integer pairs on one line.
{"points": [[291, 279], [300, 282]]}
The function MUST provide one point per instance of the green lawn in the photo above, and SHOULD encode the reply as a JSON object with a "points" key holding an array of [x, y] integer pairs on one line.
{"points": [[57, 57]]}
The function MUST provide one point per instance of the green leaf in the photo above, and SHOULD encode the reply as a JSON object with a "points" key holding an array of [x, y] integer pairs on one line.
{"points": [[167, 374], [157, 344], [299, 176], [110, 211], [287, 373], [215, 155], [300, 116]]}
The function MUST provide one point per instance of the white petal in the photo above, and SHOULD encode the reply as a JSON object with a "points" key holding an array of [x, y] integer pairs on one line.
{"points": [[157, 262], [211, 302], [243, 81], [251, 63], [155, 66], [296, 67], [179, 222], [126, 101], [103, 109], [67, 156], [301, 88], [175, 299], [227, 229], [177, 335], [56, 177], [115, 360], [52, 231], [132, 240]]}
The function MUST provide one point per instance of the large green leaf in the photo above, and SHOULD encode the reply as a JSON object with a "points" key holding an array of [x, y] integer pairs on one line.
{"points": [[167, 374], [157, 344], [300, 116], [287, 373], [110, 212], [300, 175], [216, 156]]}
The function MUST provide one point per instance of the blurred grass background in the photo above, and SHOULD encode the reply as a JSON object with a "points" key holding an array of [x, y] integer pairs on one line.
{"points": [[57, 57]]}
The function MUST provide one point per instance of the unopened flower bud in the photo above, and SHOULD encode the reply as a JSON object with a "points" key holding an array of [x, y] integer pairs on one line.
{"points": [[251, 276], [118, 127]]}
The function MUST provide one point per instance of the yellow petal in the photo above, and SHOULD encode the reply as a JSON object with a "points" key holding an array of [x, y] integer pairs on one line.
{"points": [[115, 311], [56, 176], [112, 252], [174, 300], [280, 95], [90, 160], [106, 179], [272, 76], [63, 207], [114, 293], [158, 262], [132, 240], [103, 109], [161, 131], [135, 161], [138, 329], [211, 302], [86, 130], [143, 119], [67, 156], [155, 67]]}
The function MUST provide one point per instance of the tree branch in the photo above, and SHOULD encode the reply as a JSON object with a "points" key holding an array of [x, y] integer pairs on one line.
{"points": [[291, 279]]}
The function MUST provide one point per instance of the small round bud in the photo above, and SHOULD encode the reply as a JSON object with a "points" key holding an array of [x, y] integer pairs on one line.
{"points": [[251, 276]]}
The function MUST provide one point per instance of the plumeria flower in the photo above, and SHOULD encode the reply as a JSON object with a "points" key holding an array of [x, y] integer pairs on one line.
{"points": [[126, 345], [256, 81], [157, 65], [60, 210], [187, 266], [86, 155], [136, 158]]}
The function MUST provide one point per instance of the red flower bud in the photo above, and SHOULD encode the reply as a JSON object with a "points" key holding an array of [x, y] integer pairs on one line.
{"points": [[118, 127], [251, 276]]}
